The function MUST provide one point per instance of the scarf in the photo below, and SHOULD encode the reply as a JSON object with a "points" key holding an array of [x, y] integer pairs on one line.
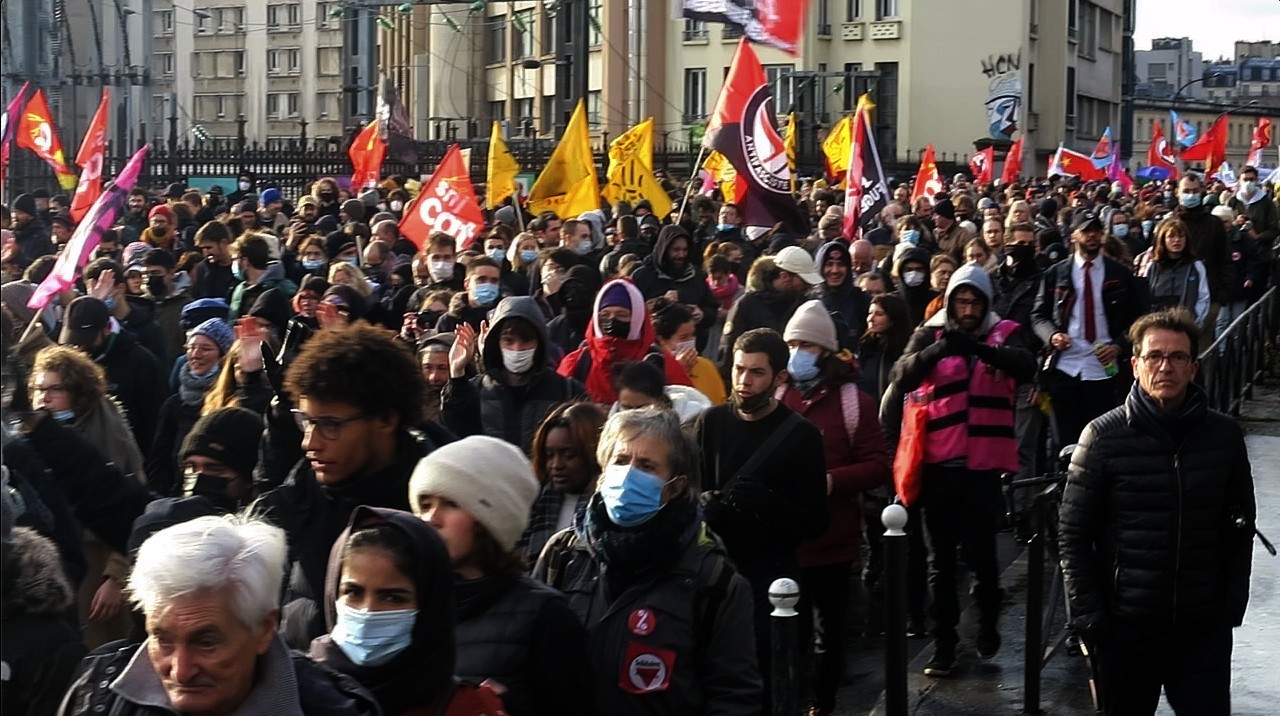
{"points": [[628, 554], [726, 292], [473, 597], [1176, 425], [191, 387]]}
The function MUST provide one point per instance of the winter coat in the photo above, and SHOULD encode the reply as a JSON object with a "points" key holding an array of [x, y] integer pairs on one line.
{"points": [[40, 647], [1122, 303], [1014, 300], [321, 691], [853, 467], [31, 241], [487, 405], [141, 322], [1207, 241], [850, 303], [136, 378], [168, 314], [1181, 282], [1149, 531], [244, 295], [760, 307], [1247, 264], [653, 280], [176, 420], [1264, 214]]}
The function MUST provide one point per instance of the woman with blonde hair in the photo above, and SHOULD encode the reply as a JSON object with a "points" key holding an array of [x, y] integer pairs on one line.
{"points": [[344, 274]]}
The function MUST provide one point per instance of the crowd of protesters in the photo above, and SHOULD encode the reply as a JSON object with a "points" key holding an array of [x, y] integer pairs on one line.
{"points": [[556, 469]]}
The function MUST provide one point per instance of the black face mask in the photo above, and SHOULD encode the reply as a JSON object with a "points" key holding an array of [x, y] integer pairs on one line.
{"points": [[213, 489], [327, 196], [156, 286], [575, 297], [753, 404], [428, 319], [1021, 259], [615, 328]]}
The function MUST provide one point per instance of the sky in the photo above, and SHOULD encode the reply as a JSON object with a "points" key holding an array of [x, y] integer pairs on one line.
{"points": [[1213, 25]]}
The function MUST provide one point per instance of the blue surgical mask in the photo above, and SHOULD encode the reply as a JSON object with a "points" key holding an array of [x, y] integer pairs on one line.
{"points": [[631, 495], [911, 236], [1147, 226], [802, 365], [496, 254], [63, 416], [1120, 230], [373, 638], [726, 227], [110, 302], [237, 271], [1190, 201], [485, 293], [312, 264], [354, 261], [528, 256]]}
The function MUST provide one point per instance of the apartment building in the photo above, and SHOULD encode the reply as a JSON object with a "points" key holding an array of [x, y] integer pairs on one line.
{"points": [[1168, 66]]}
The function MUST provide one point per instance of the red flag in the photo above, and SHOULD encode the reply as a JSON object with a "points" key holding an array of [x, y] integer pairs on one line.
{"points": [[9, 124], [366, 154], [778, 23], [1012, 164], [1261, 140], [854, 184], [446, 203], [1211, 148], [1158, 154], [1081, 165], [982, 165], [744, 128], [90, 159], [927, 183], [36, 132]]}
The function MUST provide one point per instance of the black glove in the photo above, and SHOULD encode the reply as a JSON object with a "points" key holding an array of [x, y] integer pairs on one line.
{"points": [[960, 343], [985, 353], [748, 496]]}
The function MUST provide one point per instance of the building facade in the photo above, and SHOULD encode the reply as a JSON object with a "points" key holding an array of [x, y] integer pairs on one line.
{"points": [[1149, 113], [1170, 64]]}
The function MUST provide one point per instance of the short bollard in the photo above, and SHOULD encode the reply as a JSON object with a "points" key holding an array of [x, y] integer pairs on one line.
{"points": [[894, 518], [784, 594]]}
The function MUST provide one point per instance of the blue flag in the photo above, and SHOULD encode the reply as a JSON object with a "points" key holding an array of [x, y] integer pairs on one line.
{"points": [[1184, 132]]}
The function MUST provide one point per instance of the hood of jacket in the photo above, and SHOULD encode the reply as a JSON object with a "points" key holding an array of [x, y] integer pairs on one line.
{"points": [[757, 276], [975, 277], [525, 307], [658, 259], [424, 670], [34, 582], [272, 305], [272, 275]]}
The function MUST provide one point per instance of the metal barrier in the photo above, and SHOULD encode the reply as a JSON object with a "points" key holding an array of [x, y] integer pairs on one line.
{"points": [[1235, 361]]}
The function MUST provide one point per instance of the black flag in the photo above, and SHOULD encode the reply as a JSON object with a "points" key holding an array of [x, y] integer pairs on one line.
{"points": [[393, 124]]}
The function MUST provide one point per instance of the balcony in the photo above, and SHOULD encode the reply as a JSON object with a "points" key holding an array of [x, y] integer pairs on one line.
{"points": [[696, 37], [886, 30], [851, 31]]}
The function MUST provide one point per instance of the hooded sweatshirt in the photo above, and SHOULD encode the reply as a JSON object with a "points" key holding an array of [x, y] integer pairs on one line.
{"points": [[658, 275], [488, 404], [846, 299]]}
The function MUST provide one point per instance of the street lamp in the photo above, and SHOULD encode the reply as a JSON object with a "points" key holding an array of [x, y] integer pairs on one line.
{"points": [[1173, 105]]}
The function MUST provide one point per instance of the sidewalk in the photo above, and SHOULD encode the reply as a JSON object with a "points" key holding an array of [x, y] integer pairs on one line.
{"points": [[996, 687]]}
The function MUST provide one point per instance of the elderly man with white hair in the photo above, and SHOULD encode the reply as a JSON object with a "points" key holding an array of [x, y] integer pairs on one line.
{"points": [[209, 590]]}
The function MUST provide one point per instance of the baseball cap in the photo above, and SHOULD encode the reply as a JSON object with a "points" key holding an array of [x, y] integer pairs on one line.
{"points": [[799, 262], [1085, 218], [84, 320]]}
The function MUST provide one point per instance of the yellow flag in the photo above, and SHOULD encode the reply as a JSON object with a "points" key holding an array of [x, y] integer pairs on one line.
{"points": [[637, 141], [722, 173], [789, 143], [567, 185], [500, 182], [632, 180], [836, 147]]}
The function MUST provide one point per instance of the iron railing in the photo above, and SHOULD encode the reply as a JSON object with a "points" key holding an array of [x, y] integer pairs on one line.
{"points": [[1236, 360]]}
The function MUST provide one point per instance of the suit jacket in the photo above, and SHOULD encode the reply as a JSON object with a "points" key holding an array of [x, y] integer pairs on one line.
{"points": [[1122, 303]]}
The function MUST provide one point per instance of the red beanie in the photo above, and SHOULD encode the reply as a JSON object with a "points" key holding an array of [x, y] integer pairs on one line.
{"points": [[163, 210]]}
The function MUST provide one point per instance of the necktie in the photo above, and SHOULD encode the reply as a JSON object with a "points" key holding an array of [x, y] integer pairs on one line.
{"points": [[1090, 328]]}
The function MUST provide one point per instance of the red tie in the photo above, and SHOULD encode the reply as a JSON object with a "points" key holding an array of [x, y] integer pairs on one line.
{"points": [[1090, 330]]}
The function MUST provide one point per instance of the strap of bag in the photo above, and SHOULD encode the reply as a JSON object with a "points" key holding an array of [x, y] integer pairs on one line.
{"points": [[763, 451], [850, 408]]}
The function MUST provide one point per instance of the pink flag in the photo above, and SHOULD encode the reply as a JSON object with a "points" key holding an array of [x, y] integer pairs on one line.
{"points": [[89, 233], [1116, 173]]}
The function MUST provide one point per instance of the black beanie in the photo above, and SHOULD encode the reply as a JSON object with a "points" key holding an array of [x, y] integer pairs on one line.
{"points": [[25, 203], [228, 435]]}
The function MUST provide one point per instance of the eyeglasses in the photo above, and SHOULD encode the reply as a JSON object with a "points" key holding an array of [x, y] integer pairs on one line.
{"points": [[328, 428], [1177, 359], [55, 388]]}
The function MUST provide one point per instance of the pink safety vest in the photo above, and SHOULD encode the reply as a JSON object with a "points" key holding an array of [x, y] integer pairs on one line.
{"points": [[971, 416]]}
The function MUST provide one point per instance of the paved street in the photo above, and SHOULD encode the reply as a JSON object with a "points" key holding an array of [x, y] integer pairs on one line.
{"points": [[997, 687]]}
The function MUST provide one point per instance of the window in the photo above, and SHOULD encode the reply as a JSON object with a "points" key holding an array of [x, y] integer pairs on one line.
{"points": [[695, 94], [1156, 72], [273, 105], [163, 23], [524, 110], [275, 61], [1031, 86], [496, 46], [1088, 30], [593, 107], [820, 97], [228, 64], [294, 100], [548, 114], [329, 61], [293, 60], [1106, 26], [323, 20], [824, 17], [886, 114], [204, 64], [281, 17], [595, 15], [853, 86], [1033, 7], [164, 63], [497, 111], [1072, 16], [852, 10], [779, 79], [212, 106], [730, 32], [230, 19], [886, 8], [237, 59], [695, 30], [282, 105], [203, 23], [548, 25], [326, 104], [1071, 98], [522, 34]]}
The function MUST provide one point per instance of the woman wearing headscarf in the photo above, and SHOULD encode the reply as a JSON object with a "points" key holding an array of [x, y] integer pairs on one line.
{"points": [[389, 608], [619, 330]]}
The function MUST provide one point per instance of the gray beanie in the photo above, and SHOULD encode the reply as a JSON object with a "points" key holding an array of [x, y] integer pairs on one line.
{"points": [[489, 478]]}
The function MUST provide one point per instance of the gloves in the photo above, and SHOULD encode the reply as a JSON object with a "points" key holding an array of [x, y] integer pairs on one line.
{"points": [[748, 496], [959, 343]]}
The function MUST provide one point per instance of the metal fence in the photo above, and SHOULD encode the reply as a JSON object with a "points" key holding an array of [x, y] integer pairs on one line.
{"points": [[1237, 359]]}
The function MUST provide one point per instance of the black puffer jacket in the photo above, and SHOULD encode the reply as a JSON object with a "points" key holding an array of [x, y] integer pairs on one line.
{"points": [[1148, 531]]}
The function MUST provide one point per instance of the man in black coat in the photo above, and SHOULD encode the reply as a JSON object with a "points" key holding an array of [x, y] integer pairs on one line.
{"points": [[672, 270], [776, 287], [838, 294], [30, 235], [1207, 240], [1156, 535], [1017, 283], [1087, 329]]}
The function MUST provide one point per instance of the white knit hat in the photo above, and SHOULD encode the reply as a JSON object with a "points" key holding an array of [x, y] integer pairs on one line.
{"points": [[489, 478], [812, 323]]}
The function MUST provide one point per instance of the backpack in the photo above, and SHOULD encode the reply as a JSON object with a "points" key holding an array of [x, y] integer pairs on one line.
{"points": [[850, 407]]}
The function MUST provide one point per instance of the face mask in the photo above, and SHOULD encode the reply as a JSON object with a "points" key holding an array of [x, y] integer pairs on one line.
{"points": [[160, 232], [753, 404], [312, 264], [528, 256], [913, 278], [213, 489], [428, 319], [583, 248], [518, 362], [244, 186], [441, 270], [110, 303], [237, 270], [327, 196], [155, 285], [615, 328], [802, 365], [1190, 201], [575, 297], [497, 255], [1147, 226], [726, 227], [373, 638], [686, 346], [485, 293], [1120, 230], [911, 236], [631, 496], [63, 416], [397, 205], [354, 261], [1248, 187]]}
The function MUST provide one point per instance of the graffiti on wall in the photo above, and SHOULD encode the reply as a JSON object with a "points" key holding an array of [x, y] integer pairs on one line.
{"points": [[1004, 93]]}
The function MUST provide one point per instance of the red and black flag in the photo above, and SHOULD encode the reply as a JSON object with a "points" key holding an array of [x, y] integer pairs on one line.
{"points": [[777, 23], [744, 128]]}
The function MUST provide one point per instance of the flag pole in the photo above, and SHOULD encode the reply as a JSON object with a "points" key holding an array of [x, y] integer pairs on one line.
{"points": [[692, 178]]}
